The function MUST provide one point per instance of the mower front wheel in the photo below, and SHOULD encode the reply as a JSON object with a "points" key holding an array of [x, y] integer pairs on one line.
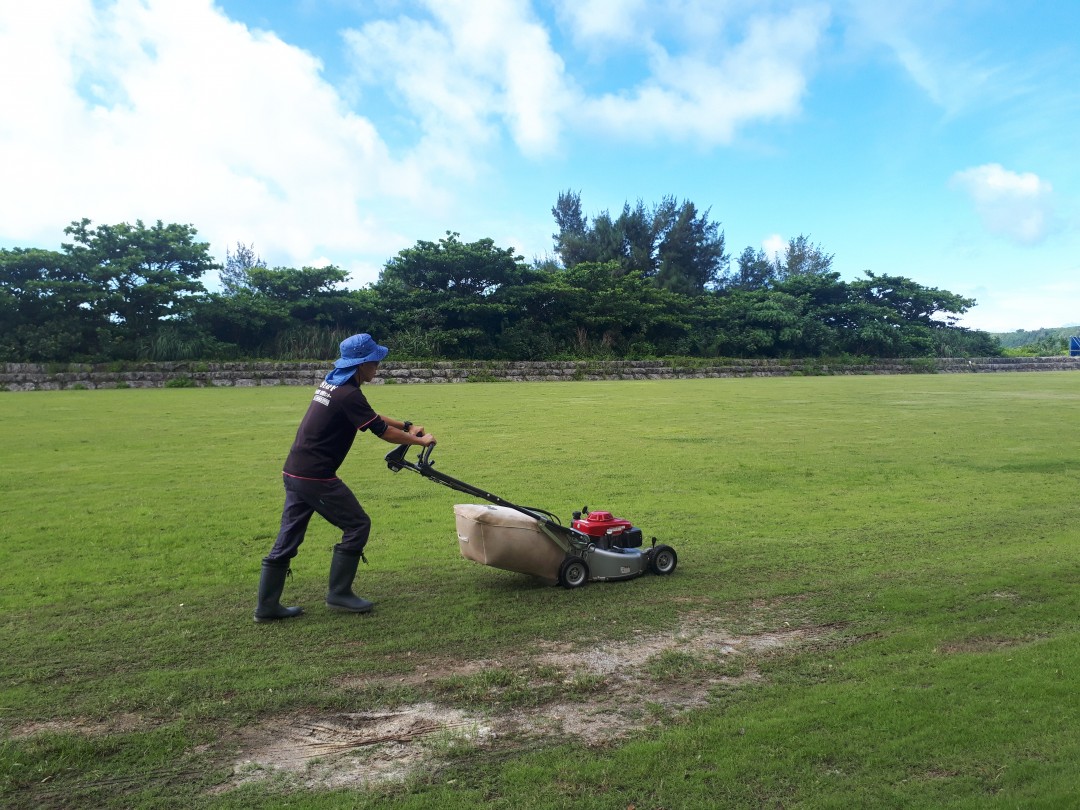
{"points": [[663, 560], [573, 573]]}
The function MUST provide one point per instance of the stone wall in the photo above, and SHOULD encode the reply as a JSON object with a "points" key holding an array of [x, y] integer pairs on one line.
{"points": [[41, 377]]}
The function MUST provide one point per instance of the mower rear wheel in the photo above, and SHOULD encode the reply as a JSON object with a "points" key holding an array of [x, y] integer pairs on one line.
{"points": [[573, 573], [663, 560]]}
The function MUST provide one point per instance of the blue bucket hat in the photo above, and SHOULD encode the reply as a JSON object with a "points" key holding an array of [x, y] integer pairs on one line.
{"points": [[359, 349]]}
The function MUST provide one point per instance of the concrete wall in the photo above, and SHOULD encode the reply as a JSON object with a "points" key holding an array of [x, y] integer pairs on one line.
{"points": [[41, 377]]}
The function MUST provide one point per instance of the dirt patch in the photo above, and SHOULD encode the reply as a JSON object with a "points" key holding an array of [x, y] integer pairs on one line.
{"points": [[433, 669], [596, 695], [354, 749], [651, 678], [118, 724], [980, 645]]}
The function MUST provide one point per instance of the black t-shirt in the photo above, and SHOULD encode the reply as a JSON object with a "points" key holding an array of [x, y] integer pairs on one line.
{"points": [[328, 428]]}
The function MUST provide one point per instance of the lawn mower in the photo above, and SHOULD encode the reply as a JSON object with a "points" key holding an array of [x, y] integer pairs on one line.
{"points": [[595, 546]]}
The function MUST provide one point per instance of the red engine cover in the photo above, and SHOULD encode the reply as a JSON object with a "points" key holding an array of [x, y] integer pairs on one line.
{"points": [[598, 524]]}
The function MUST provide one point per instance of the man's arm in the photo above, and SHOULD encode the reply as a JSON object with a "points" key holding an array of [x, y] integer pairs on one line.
{"points": [[398, 432], [408, 427]]}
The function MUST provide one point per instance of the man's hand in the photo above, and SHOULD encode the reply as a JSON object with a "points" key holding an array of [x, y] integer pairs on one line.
{"points": [[426, 439]]}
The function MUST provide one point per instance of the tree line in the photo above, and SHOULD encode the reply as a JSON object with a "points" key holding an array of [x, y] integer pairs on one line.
{"points": [[653, 281]]}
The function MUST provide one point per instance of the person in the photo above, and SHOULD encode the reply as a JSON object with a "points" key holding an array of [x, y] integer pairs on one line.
{"points": [[338, 411]]}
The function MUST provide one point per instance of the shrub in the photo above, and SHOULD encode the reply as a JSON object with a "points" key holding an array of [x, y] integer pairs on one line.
{"points": [[181, 382]]}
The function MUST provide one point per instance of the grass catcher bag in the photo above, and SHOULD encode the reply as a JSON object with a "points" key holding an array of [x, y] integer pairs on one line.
{"points": [[505, 538]]}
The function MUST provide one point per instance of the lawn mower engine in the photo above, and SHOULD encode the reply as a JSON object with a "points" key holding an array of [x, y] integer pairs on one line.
{"points": [[607, 532]]}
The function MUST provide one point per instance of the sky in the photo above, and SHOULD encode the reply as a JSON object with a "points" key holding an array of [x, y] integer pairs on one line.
{"points": [[932, 140]]}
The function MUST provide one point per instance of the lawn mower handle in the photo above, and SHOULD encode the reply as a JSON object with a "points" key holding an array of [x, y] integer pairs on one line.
{"points": [[395, 461]]}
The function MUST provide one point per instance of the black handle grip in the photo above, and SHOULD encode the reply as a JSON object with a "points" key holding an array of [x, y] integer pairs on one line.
{"points": [[395, 459]]}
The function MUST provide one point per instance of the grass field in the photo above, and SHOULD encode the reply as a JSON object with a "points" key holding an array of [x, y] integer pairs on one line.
{"points": [[876, 603]]}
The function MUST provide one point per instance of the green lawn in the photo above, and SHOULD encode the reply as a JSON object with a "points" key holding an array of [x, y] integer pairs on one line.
{"points": [[914, 538]]}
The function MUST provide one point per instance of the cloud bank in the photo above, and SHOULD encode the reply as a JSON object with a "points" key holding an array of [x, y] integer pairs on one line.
{"points": [[169, 109]]}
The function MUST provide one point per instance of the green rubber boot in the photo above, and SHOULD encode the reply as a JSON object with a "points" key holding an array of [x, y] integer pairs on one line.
{"points": [[271, 584], [342, 573]]}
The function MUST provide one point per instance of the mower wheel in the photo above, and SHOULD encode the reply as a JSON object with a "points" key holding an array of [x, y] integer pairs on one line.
{"points": [[573, 573], [663, 560]]}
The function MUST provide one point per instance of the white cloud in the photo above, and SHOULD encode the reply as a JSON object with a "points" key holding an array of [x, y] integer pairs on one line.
{"points": [[474, 67], [471, 69], [598, 23], [1017, 206], [706, 95], [774, 246], [165, 109], [608, 25]]}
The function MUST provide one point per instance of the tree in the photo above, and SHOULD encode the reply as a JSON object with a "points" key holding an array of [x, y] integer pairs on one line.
{"points": [[291, 286], [639, 239], [138, 276], [962, 342], [802, 258], [691, 252], [105, 294], [759, 323], [909, 301], [828, 312], [756, 271], [288, 312], [453, 292], [234, 276], [474, 269], [674, 245], [572, 239], [45, 310]]}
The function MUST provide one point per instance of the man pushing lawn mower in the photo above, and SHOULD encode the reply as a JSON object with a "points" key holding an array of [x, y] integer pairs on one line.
{"points": [[337, 412]]}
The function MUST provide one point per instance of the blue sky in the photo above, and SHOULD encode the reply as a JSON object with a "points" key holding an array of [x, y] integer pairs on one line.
{"points": [[933, 140]]}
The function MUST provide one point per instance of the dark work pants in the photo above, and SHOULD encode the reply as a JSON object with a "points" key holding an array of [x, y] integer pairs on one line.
{"points": [[331, 499]]}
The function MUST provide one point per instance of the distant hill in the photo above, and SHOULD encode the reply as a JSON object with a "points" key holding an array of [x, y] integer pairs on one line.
{"points": [[1057, 337]]}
